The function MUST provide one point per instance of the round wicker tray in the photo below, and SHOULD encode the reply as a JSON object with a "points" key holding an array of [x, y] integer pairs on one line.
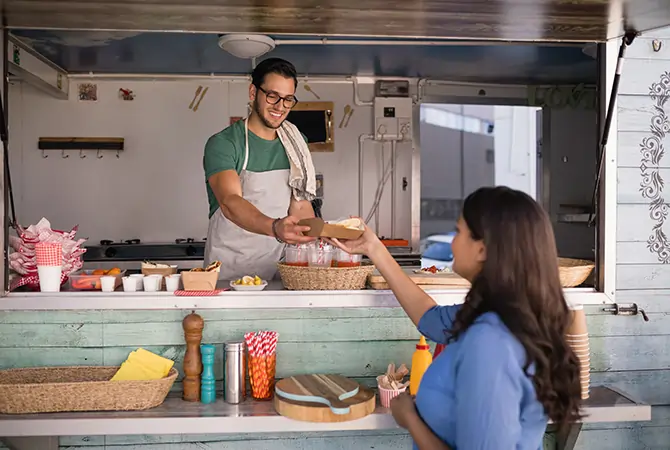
{"points": [[78, 388], [324, 278], [574, 272]]}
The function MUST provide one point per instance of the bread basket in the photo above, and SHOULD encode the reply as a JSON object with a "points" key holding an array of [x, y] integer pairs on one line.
{"points": [[305, 278]]}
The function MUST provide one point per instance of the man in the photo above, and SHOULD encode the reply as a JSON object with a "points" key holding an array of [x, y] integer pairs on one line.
{"points": [[260, 179]]}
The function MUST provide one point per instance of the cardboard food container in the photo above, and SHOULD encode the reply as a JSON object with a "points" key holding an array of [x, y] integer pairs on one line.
{"points": [[199, 281], [319, 228]]}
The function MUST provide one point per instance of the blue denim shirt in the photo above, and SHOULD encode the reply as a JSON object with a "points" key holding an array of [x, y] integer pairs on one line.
{"points": [[475, 395]]}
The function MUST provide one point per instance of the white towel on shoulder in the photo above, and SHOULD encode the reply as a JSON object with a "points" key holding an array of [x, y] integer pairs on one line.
{"points": [[302, 177]]}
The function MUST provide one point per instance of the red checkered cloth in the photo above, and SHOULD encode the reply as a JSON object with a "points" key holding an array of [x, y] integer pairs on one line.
{"points": [[182, 293], [33, 281], [49, 254]]}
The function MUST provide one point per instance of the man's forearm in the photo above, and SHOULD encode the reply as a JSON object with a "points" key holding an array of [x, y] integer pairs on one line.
{"points": [[247, 216]]}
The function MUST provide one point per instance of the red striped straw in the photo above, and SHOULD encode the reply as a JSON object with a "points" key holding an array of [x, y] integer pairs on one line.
{"points": [[266, 342], [273, 344], [249, 339]]}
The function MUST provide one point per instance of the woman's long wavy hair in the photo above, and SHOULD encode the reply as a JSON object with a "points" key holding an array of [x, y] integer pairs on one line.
{"points": [[519, 281]]}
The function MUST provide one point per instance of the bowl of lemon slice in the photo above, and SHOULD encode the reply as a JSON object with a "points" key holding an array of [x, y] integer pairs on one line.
{"points": [[249, 283]]}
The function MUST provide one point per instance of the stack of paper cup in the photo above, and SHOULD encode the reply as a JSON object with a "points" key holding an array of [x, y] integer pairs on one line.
{"points": [[49, 258], [578, 339]]}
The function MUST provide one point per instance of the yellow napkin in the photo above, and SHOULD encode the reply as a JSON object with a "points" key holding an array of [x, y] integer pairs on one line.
{"points": [[143, 365]]}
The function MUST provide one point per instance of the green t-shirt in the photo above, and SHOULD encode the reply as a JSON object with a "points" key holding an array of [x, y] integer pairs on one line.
{"points": [[225, 151]]}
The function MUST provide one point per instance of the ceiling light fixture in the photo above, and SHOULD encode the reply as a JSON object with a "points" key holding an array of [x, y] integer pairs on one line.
{"points": [[246, 46]]}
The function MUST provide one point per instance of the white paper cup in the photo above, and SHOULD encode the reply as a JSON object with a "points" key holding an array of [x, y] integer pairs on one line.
{"points": [[386, 395], [49, 278], [139, 281], [172, 282], [152, 282], [107, 282], [129, 284]]}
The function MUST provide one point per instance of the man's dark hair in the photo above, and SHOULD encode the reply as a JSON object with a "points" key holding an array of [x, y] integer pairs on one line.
{"points": [[273, 65]]}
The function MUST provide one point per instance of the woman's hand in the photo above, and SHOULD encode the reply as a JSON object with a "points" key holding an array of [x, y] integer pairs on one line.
{"points": [[403, 409], [367, 244]]}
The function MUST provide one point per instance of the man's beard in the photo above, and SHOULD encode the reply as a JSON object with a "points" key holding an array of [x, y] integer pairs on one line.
{"points": [[259, 113]]}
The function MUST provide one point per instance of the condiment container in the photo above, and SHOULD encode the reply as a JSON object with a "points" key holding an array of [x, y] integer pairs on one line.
{"points": [[296, 255], [420, 362], [234, 376], [344, 259]]}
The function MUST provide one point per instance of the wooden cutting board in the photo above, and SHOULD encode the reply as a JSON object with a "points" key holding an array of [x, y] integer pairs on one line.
{"points": [[439, 280], [322, 398]]}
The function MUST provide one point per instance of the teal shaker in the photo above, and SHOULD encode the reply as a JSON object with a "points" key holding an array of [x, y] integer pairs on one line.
{"points": [[207, 382]]}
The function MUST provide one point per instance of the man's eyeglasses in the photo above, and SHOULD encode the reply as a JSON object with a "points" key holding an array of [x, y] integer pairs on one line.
{"points": [[273, 98]]}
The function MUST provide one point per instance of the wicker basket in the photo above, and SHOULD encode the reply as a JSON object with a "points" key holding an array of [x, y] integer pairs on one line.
{"points": [[81, 388], [574, 272], [324, 278]]}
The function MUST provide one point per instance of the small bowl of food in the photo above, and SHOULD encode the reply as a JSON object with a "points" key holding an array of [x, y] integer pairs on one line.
{"points": [[248, 283]]}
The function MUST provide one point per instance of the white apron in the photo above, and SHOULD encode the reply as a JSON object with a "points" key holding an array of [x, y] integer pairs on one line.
{"points": [[241, 252]]}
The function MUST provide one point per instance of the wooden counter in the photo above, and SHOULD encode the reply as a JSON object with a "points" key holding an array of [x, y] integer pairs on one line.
{"points": [[178, 417], [274, 296]]}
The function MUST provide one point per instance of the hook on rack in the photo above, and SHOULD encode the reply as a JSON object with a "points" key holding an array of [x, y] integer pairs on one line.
{"points": [[44, 154], [81, 154], [99, 156], [63, 155], [118, 154]]}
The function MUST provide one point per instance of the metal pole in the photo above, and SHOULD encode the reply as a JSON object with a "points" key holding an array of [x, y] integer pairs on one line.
{"points": [[393, 185], [625, 42]]}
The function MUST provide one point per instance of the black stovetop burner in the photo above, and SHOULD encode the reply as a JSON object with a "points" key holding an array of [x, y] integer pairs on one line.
{"points": [[106, 242], [136, 250]]}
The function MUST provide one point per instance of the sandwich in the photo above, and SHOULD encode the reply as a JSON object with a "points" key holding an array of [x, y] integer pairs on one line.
{"points": [[154, 265], [213, 267], [353, 223]]}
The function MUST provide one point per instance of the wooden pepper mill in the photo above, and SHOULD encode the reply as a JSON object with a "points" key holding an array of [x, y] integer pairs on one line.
{"points": [[193, 325]]}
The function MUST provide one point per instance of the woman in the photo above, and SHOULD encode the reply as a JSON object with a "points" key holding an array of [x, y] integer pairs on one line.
{"points": [[507, 368]]}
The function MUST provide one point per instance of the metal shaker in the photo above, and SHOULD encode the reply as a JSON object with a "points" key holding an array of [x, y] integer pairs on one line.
{"points": [[234, 373]]}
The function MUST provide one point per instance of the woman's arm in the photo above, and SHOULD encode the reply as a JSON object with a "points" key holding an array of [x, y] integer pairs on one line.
{"points": [[411, 297], [423, 437]]}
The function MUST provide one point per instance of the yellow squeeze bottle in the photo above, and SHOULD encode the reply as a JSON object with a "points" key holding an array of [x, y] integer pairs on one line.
{"points": [[421, 359]]}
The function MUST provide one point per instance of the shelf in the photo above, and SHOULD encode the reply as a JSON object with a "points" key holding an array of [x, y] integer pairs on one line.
{"points": [[178, 417], [272, 297], [80, 143]]}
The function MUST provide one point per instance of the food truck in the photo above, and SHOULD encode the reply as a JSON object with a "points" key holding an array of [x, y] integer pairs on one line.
{"points": [[107, 108]]}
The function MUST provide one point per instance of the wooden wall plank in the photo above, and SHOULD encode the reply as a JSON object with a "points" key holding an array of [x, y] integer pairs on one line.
{"points": [[642, 276], [49, 356], [141, 316], [630, 185], [643, 48], [638, 75], [652, 300], [352, 359], [300, 330], [628, 152], [635, 253], [355, 359], [634, 223], [51, 335], [643, 438], [634, 111], [88, 441], [400, 442], [607, 325]]}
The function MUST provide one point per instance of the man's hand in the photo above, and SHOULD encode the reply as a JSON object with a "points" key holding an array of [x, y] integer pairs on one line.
{"points": [[289, 231]]}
